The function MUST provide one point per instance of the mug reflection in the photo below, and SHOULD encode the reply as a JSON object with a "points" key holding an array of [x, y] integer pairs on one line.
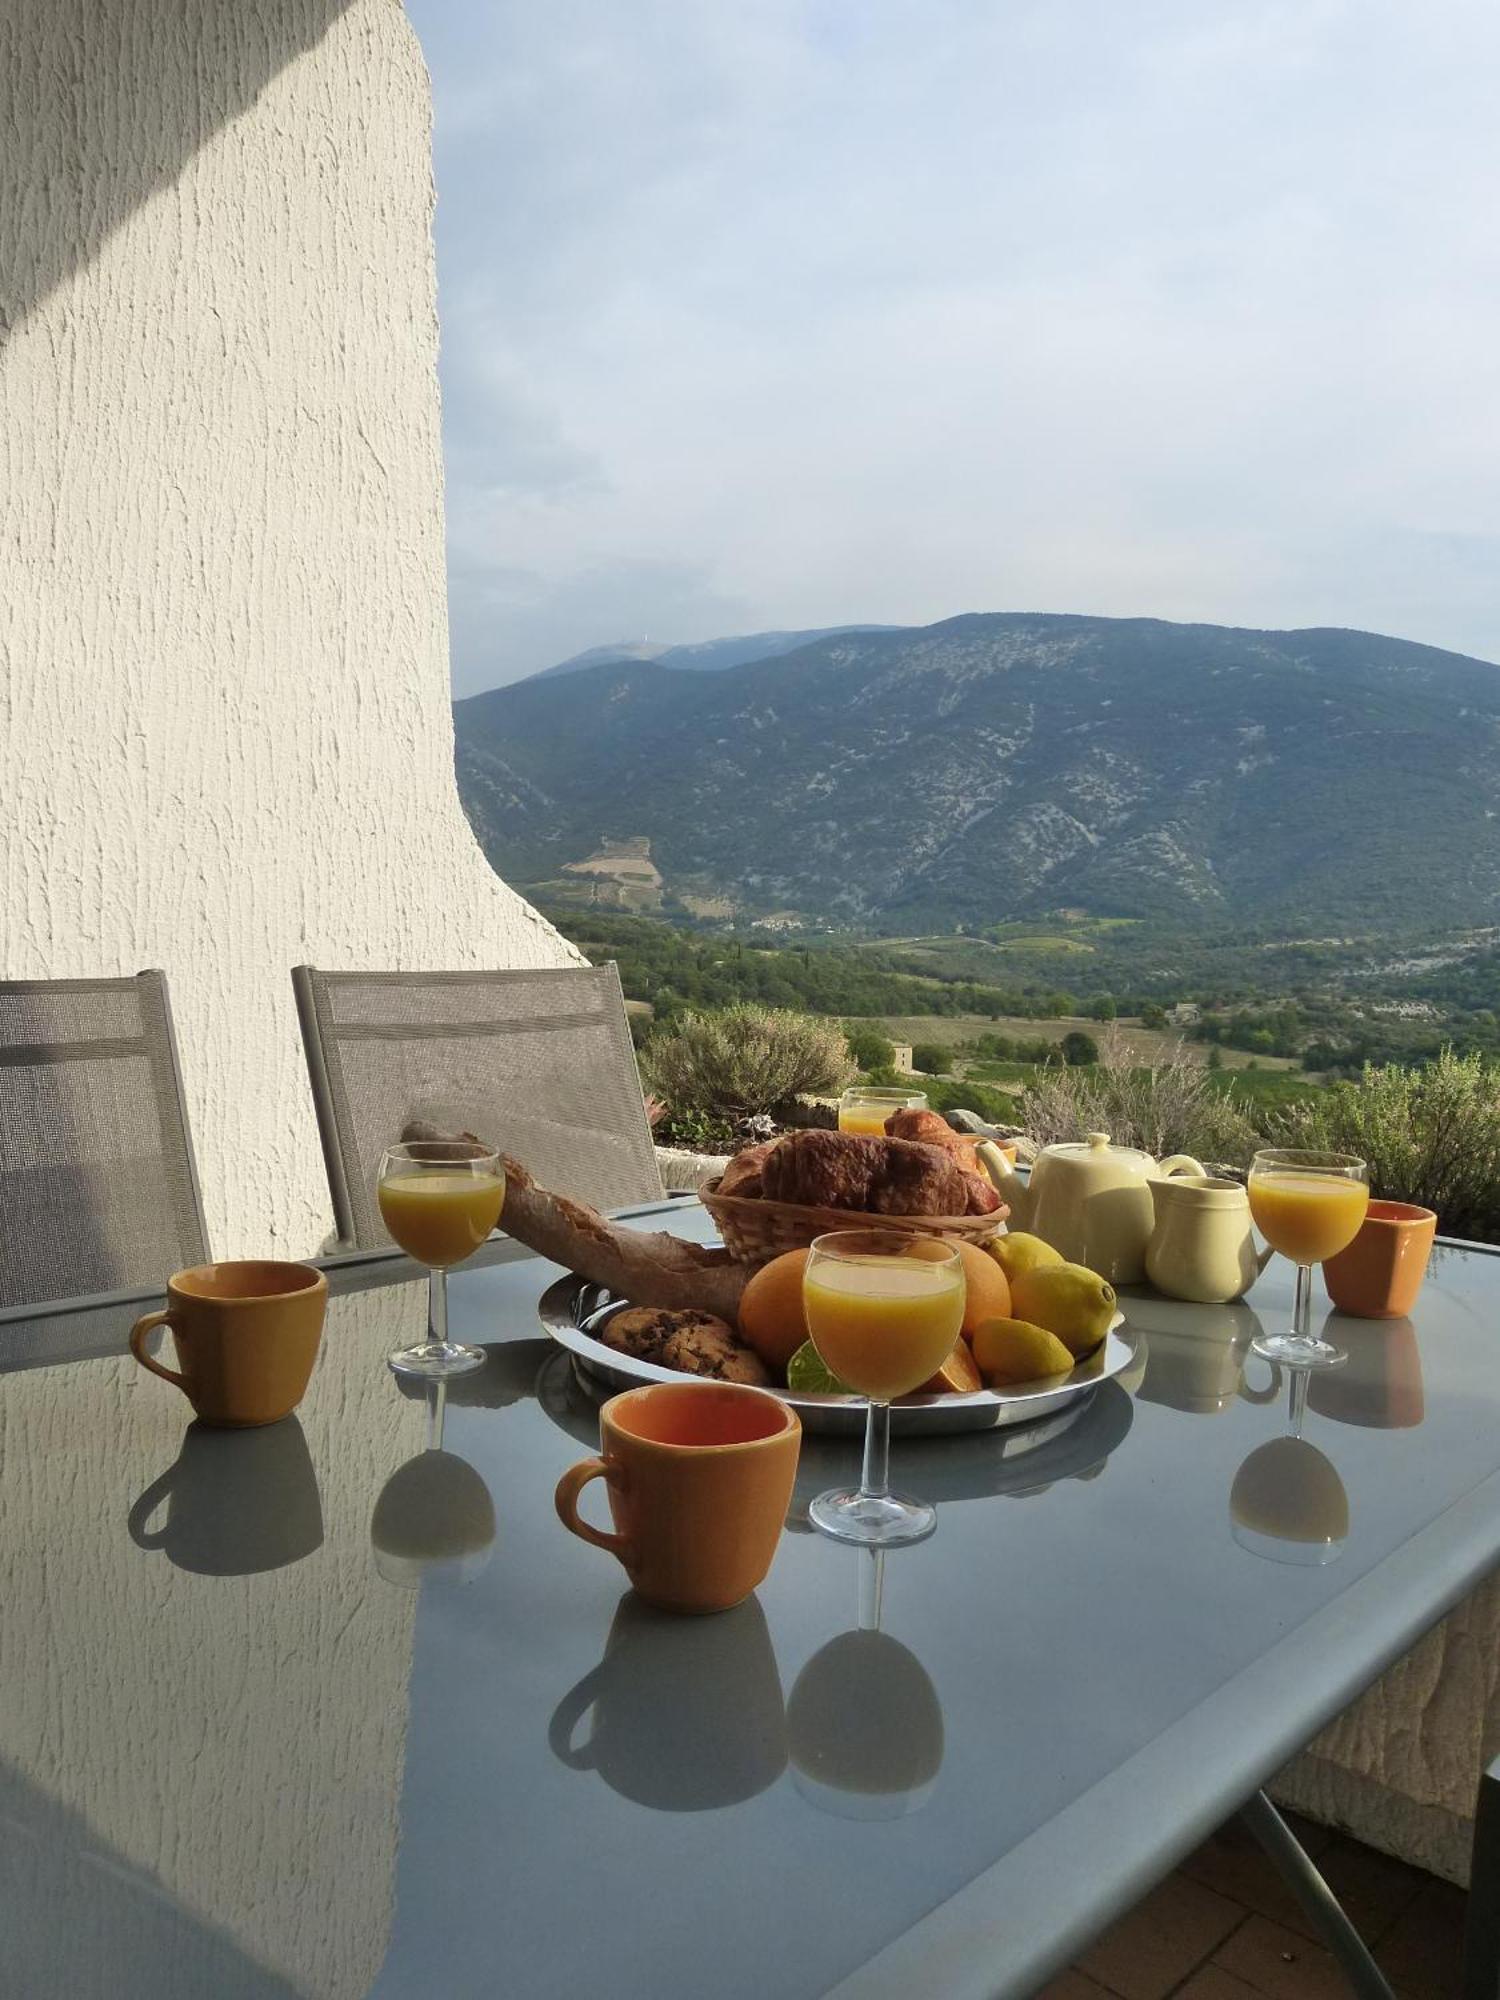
{"points": [[864, 1722], [680, 1715], [236, 1503], [434, 1516]]}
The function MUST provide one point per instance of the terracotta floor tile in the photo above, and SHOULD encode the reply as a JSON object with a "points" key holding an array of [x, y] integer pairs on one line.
{"points": [[1212, 1982], [1422, 1953], [1373, 1888], [1280, 1963], [1164, 1938], [1074, 1985]]}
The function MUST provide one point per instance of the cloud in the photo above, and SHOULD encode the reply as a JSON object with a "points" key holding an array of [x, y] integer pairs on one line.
{"points": [[795, 314]]}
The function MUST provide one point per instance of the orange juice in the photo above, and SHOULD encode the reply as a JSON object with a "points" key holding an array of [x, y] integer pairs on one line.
{"points": [[439, 1219], [1308, 1217], [884, 1325], [866, 1119]]}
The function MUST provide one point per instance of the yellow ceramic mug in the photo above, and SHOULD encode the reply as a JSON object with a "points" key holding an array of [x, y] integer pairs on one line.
{"points": [[700, 1477], [247, 1337]]}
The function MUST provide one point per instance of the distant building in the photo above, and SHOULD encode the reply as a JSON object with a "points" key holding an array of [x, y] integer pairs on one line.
{"points": [[1184, 1014], [903, 1058]]}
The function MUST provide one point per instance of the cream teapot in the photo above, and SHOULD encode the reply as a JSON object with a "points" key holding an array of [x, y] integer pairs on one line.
{"points": [[1092, 1202]]}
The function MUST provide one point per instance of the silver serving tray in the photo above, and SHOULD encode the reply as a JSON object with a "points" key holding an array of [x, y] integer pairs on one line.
{"points": [[572, 1310]]}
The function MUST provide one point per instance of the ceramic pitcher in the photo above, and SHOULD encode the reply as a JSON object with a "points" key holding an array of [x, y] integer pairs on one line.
{"points": [[1201, 1247]]}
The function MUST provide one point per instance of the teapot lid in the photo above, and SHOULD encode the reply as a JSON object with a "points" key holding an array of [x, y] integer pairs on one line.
{"points": [[1096, 1146]]}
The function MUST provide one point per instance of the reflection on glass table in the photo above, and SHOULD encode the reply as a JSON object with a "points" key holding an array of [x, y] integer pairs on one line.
{"points": [[434, 1516], [1381, 1387], [1197, 1357], [864, 1723], [1288, 1503], [681, 1714], [235, 1503]]}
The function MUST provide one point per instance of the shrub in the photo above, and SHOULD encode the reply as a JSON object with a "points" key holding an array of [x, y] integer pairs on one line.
{"points": [[869, 1049], [1431, 1136], [1173, 1108], [995, 1107], [744, 1060], [931, 1059], [1079, 1049]]}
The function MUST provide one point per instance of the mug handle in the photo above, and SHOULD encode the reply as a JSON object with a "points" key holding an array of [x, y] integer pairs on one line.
{"points": [[146, 1505], [137, 1347], [565, 1500], [566, 1717]]}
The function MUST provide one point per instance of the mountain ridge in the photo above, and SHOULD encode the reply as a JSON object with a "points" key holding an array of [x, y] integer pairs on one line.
{"points": [[995, 765]]}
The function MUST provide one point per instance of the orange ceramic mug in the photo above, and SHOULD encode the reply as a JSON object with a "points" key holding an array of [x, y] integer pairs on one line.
{"points": [[1379, 1275], [246, 1335], [700, 1477]]}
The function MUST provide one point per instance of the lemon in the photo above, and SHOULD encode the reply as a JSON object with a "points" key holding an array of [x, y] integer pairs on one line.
{"points": [[1018, 1252], [1069, 1300], [1013, 1350], [809, 1375]]}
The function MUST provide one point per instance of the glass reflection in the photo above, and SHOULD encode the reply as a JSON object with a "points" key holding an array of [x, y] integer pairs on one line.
{"points": [[864, 1722], [1288, 1503], [235, 1503], [434, 1516], [680, 1715]]}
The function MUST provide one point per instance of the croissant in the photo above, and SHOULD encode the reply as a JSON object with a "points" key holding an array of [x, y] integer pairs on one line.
{"points": [[875, 1176]]}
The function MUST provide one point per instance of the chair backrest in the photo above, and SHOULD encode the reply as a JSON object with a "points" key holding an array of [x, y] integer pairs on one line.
{"points": [[538, 1062], [98, 1189]]}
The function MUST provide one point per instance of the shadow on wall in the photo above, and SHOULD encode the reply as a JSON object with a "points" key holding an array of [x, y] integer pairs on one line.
{"points": [[93, 129]]}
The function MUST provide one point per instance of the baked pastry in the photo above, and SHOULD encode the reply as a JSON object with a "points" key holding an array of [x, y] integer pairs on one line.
{"points": [[743, 1174], [697, 1343], [874, 1176], [708, 1347]]}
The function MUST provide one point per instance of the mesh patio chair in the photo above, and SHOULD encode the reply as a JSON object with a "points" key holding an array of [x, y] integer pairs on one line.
{"points": [[538, 1062], [98, 1189]]}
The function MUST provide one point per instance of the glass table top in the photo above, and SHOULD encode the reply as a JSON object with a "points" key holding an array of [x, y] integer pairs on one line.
{"points": [[319, 1710]]}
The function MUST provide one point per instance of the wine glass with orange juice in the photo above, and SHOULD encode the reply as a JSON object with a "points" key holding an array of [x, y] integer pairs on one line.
{"points": [[883, 1310], [864, 1107], [1309, 1206], [440, 1199]]}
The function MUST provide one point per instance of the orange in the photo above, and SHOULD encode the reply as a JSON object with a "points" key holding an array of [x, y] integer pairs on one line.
{"points": [[987, 1289], [772, 1320], [958, 1375]]}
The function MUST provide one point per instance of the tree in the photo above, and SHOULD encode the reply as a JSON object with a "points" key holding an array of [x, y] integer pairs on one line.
{"points": [[1153, 1015], [1215, 1056], [1079, 1049], [1102, 1007], [870, 1049], [930, 1058]]}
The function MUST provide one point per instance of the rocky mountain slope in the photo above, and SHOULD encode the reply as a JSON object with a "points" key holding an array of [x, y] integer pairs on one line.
{"points": [[1000, 765]]}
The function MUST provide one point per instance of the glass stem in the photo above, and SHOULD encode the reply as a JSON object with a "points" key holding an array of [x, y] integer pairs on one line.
{"points": [[871, 1590], [1302, 1304], [875, 1480], [1296, 1399], [437, 1306]]}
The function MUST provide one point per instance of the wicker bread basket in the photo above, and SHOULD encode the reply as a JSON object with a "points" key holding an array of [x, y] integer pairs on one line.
{"points": [[755, 1230]]}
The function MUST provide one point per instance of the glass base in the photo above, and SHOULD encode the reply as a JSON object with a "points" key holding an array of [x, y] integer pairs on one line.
{"points": [[1277, 1549], [435, 1360], [873, 1521], [1292, 1351]]}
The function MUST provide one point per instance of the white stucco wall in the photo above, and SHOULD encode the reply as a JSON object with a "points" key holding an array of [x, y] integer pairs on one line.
{"points": [[225, 735]]}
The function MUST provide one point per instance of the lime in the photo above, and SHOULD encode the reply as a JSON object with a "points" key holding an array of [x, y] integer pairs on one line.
{"points": [[809, 1375]]}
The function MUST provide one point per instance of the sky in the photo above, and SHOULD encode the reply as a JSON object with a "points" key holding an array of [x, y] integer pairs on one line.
{"points": [[786, 313]]}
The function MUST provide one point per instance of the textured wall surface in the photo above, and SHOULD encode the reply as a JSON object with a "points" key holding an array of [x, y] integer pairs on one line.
{"points": [[225, 738]]}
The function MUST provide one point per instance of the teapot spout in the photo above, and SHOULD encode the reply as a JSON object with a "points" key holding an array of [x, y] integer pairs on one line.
{"points": [[1008, 1184]]}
